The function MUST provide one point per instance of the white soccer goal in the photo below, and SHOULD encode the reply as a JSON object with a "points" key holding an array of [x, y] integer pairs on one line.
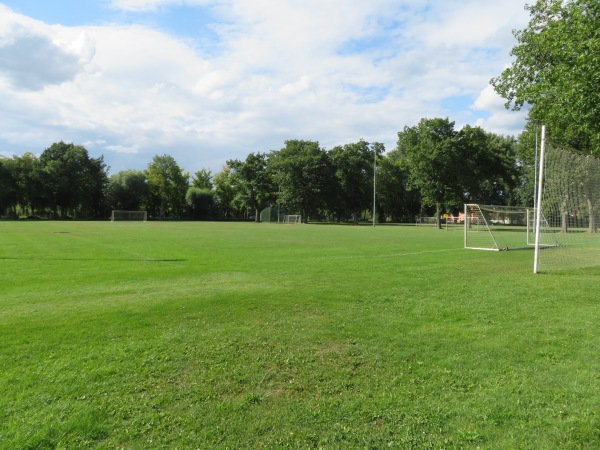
{"points": [[292, 218], [491, 227], [569, 201], [427, 221], [120, 215]]}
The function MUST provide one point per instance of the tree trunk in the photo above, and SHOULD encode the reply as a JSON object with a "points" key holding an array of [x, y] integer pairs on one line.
{"points": [[564, 227], [593, 225], [564, 216]]}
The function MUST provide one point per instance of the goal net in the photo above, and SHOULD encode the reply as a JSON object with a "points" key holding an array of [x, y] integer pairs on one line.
{"points": [[570, 210], [120, 215], [491, 227], [271, 214], [292, 218]]}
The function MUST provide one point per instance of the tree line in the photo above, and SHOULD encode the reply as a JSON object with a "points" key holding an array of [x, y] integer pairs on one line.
{"points": [[433, 169]]}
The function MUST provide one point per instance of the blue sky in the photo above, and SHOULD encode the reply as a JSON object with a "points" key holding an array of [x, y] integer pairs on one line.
{"points": [[210, 80]]}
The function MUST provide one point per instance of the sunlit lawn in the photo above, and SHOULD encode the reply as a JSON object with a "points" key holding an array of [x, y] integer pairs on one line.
{"points": [[242, 335]]}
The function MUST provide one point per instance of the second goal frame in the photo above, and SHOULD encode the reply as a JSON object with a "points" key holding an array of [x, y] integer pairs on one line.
{"points": [[292, 218], [493, 227], [125, 215]]}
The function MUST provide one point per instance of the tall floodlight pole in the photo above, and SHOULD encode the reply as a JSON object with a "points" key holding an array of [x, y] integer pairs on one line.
{"points": [[374, 182]]}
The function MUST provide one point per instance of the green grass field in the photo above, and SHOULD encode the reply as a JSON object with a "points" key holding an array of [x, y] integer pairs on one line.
{"points": [[218, 335]]}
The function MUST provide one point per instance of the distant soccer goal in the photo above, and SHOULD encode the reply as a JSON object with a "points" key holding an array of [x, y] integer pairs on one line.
{"points": [[446, 222], [569, 201], [490, 227], [292, 219], [427, 221], [121, 215]]}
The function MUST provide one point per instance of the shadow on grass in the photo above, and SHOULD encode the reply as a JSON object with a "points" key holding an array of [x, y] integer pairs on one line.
{"points": [[17, 258]]}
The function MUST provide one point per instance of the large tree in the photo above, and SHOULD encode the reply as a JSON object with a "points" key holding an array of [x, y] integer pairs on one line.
{"points": [[488, 166], [556, 71], [200, 202], [433, 162], [168, 185], [8, 185], [227, 189], [396, 199], [303, 173], [31, 192], [256, 181], [451, 167], [73, 182], [128, 190], [202, 179], [353, 165]]}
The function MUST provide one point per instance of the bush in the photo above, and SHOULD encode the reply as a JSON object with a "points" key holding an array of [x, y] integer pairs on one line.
{"points": [[201, 203]]}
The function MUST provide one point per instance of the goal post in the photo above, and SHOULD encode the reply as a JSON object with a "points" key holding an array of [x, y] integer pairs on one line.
{"points": [[292, 219], [492, 227], [119, 215]]}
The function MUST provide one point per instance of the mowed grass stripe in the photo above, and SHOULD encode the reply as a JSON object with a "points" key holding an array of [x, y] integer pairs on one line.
{"points": [[216, 335]]}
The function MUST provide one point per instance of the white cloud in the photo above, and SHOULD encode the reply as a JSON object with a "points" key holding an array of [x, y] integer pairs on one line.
{"points": [[122, 149], [141, 5], [31, 58], [488, 100], [472, 23], [93, 143], [313, 69], [83, 47], [500, 120], [153, 5]]}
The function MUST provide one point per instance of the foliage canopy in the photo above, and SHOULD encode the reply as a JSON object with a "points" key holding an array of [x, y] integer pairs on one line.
{"points": [[556, 71]]}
